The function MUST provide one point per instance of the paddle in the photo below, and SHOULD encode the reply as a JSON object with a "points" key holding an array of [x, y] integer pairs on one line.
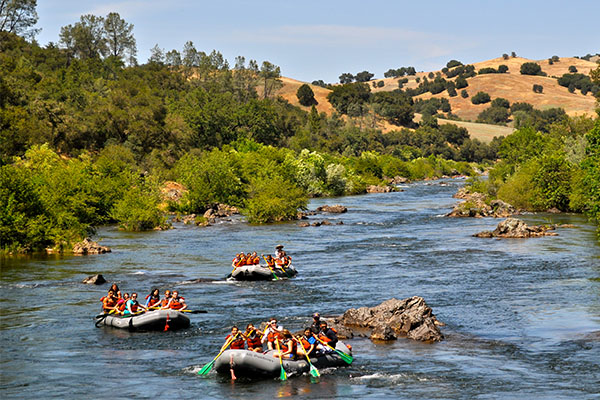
{"points": [[282, 375], [206, 369], [236, 265], [270, 269], [313, 370], [194, 311], [347, 358]]}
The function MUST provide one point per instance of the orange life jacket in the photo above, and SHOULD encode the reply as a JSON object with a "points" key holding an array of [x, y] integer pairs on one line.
{"points": [[305, 343], [164, 302], [238, 342], [109, 302], [176, 304], [153, 302], [254, 342]]}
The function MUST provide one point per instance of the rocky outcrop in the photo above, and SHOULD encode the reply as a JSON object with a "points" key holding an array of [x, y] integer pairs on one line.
{"points": [[94, 280], [336, 209], [411, 318], [515, 228], [475, 205], [88, 246], [172, 191], [397, 180], [380, 189]]}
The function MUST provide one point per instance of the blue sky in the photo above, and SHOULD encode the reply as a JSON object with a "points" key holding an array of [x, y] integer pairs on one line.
{"points": [[312, 40]]}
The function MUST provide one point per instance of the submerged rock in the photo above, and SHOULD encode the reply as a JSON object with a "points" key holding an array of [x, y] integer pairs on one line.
{"points": [[379, 189], [516, 228], [88, 246], [97, 279], [393, 318]]}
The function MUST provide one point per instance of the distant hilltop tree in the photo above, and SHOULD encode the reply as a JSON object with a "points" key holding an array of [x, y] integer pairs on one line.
{"points": [[505, 56], [321, 83], [346, 77], [531, 68], [399, 72], [453, 63], [364, 76]]}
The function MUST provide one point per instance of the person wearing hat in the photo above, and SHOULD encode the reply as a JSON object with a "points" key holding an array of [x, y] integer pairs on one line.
{"points": [[279, 251], [272, 333], [316, 325]]}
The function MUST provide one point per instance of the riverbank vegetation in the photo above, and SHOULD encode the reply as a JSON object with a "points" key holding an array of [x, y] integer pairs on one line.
{"points": [[89, 137]]}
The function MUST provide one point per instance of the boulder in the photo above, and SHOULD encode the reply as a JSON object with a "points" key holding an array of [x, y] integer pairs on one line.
{"points": [[516, 228], [379, 189], [397, 180], [336, 209], [88, 246], [393, 318], [172, 191], [475, 205], [97, 279]]}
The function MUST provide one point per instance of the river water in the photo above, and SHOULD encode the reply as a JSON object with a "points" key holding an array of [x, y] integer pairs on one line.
{"points": [[522, 316]]}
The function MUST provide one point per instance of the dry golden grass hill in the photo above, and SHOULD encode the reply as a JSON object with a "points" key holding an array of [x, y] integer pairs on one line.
{"points": [[511, 85]]}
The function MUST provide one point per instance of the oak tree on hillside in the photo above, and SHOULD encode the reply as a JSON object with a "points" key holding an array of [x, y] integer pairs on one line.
{"points": [[306, 96], [346, 77], [531, 68], [85, 39], [364, 76]]}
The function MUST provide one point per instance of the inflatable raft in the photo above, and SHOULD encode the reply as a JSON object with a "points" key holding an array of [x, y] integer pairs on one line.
{"points": [[148, 321], [261, 273], [249, 364]]}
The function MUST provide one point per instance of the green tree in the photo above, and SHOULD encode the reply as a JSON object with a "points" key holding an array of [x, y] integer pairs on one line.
{"points": [[119, 38], [364, 76], [531, 68], [480, 98], [270, 74], [86, 38], [18, 17], [305, 95], [346, 78]]}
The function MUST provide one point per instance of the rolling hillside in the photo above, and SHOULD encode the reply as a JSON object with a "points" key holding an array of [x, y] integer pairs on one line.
{"points": [[511, 85]]}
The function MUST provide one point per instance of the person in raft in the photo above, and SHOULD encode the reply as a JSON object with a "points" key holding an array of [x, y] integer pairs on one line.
{"points": [[316, 325], [254, 259], [164, 303], [253, 339], [132, 306], [121, 303], [237, 340], [308, 342], [237, 261], [153, 299], [177, 302], [109, 302], [279, 251], [288, 346], [271, 334], [269, 260], [328, 335]]}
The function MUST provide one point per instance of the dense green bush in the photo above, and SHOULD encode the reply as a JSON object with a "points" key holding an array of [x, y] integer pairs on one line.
{"points": [[494, 115], [531, 68], [480, 98]]}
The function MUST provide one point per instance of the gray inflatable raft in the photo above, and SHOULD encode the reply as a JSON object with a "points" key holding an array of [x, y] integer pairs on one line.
{"points": [[261, 273], [249, 364], [148, 321]]}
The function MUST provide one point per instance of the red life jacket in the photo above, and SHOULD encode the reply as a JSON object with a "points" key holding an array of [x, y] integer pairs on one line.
{"points": [[237, 344], [164, 302], [254, 342], [176, 304], [134, 306], [305, 343], [121, 304]]}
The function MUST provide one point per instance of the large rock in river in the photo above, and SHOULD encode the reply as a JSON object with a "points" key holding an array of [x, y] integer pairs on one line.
{"points": [[97, 279], [335, 209], [393, 318], [516, 228], [88, 246]]}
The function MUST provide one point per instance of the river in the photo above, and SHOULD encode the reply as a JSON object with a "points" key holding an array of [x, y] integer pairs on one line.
{"points": [[522, 315]]}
